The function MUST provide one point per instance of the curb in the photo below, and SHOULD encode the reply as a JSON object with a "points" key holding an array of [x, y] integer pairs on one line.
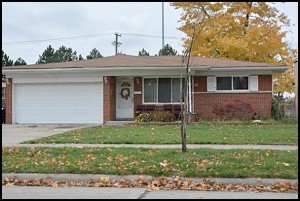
{"points": [[82, 177]]}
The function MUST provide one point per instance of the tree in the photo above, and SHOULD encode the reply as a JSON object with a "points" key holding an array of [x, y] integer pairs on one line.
{"points": [[248, 31], [5, 60], [167, 50], [20, 62], [47, 56], [94, 54], [80, 57], [64, 54], [143, 52]]}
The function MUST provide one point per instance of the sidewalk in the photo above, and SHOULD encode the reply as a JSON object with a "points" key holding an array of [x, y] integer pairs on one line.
{"points": [[37, 192], [159, 146]]}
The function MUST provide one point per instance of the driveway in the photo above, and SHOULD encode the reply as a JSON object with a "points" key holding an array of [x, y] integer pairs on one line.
{"points": [[13, 134]]}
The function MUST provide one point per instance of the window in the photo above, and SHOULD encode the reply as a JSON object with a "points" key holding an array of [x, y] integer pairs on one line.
{"points": [[223, 83], [232, 83], [162, 90], [240, 83], [3, 92]]}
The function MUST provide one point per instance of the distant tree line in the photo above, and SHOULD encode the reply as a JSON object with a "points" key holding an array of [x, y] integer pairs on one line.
{"points": [[63, 54]]}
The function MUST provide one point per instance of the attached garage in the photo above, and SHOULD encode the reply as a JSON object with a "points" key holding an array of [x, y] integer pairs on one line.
{"points": [[58, 100]]}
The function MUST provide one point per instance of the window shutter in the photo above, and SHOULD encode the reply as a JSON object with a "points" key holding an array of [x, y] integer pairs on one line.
{"points": [[254, 83], [211, 83]]}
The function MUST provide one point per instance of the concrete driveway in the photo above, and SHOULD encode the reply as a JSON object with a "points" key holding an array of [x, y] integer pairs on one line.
{"points": [[13, 134]]}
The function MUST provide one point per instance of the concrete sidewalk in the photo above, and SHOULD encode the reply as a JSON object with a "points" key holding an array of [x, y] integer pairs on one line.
{"points": [[160, 146], [37, 192]]}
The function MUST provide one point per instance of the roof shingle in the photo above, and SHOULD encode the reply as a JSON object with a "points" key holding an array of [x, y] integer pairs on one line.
{"points": [[144, 61]]}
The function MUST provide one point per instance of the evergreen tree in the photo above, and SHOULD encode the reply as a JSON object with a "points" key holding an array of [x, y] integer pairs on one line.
{"points": [[64, 54], [94, 54], [47, 56], [143, 52], [167, 50], [5, 60], [20, 62], [80, 57]]}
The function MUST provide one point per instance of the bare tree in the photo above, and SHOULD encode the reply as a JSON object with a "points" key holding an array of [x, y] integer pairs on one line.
{"points": [[185, 63]]}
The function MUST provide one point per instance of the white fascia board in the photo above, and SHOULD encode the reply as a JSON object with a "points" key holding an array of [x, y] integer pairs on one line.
{"points": [[107, 71], [273, 69]]}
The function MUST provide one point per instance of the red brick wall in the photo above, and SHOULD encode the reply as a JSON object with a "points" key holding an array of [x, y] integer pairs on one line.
{"points": [[137, 87], [265, 83], [109, 99], [261, 103], [8, 110]]}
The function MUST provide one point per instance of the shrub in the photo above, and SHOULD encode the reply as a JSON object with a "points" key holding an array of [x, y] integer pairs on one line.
{"points": [[234, 110], [144, 117], [276, 111], [162, 116]]}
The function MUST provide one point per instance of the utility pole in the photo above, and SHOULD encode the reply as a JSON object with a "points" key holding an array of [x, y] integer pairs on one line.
{"points": [[163, 27], [116, 43]]}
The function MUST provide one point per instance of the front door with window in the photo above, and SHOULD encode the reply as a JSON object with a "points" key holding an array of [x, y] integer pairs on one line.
{"points": [[124, 105]]}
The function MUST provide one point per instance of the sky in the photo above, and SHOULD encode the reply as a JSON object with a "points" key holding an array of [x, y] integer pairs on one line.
{"points": [[94, 24]]}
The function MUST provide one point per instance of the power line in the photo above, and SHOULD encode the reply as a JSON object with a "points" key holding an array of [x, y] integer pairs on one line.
{"points": [[83, 37], [57, 39]]}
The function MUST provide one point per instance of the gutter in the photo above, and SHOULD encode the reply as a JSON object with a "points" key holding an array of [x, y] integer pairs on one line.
{"points": [[280, 69], [81, 69]]}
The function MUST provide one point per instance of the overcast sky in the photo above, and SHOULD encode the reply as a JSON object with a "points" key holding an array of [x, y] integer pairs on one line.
{"points": [[32, 21]]}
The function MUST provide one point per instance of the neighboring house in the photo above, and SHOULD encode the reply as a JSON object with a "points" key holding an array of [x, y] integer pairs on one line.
{"points": [[112, 88]]}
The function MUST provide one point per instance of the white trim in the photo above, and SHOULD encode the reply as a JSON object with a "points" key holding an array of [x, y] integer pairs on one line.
{"points": [[278, 69], [27, 80]]}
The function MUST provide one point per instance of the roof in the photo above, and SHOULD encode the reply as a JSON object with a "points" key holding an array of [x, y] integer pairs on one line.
{"points": [[144, 61]]}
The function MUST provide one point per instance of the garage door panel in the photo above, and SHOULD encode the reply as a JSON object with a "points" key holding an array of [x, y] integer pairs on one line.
{"points": [[59, 103]]}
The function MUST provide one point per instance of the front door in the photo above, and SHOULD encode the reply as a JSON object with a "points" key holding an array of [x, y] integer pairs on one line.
{"points": [[124, 108]]}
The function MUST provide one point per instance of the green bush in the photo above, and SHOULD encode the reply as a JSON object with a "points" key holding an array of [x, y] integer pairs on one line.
{"points": [[162, 116], [276, 112]]}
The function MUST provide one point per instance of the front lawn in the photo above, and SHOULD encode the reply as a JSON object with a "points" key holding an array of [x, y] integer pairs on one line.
{"points": [[206, 163], [200, 133]]}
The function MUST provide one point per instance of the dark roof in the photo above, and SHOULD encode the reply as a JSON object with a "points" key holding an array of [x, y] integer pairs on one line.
{"points": [[144, 61]]}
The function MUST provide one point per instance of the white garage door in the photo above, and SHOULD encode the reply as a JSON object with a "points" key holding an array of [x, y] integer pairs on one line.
{"points": [[59, 103]]}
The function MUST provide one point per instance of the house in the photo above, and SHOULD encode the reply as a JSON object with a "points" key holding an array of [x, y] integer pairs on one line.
{"points": [[3, 98], [112, 88]]}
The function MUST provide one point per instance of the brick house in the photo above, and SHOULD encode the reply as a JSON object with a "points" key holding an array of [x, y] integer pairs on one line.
{"points": [[114, 88]]}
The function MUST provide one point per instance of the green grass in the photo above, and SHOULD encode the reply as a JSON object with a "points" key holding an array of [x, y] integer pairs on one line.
{"points": [[200, 133], [156, 162]]}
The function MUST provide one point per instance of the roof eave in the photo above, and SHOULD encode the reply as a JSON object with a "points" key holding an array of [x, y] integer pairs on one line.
{"points": [[274, 69]]}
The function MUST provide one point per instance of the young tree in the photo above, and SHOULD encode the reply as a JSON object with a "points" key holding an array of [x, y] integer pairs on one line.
{"points": [[94, 54], [167, 50], [47, 56], [249, 31], [20, 62], [5, 60], [143, 52]]}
